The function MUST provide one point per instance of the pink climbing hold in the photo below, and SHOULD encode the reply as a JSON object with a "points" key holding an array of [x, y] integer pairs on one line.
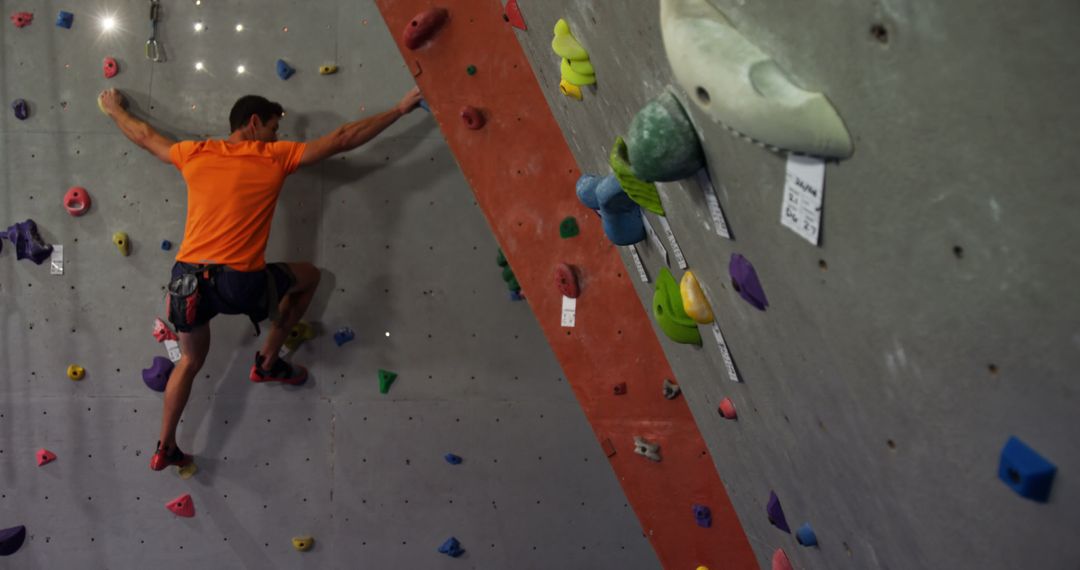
{"points": [[512, 14], [45, 456], [423, 26], [22, 19], [472, 117], [566, 281], [182, 506], [77, 201], [727, 409], [162, 332], [780, 560], [111, 67]]}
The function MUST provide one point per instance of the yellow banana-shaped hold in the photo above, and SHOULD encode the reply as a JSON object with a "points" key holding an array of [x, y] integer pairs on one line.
{"points": [[303, 543], [327, 70], [122, 243], [693, 298], [574, 77], [570, 90], [565, 44], [76, 372]]}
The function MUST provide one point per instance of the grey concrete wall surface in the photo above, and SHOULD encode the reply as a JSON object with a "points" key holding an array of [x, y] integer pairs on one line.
{"points": [[939, 315], [409, 264]]}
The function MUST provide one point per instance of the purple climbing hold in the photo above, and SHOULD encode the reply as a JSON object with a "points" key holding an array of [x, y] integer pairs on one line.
{"points": [[157, 376], [21, 108], [11, 539], [28, 243], [703, 516], [745, 281], [776, 513]]}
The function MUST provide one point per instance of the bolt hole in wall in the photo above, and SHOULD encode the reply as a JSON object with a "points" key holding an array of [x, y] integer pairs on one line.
{"points": [[958, 252], [880, 33], [702, 95]]}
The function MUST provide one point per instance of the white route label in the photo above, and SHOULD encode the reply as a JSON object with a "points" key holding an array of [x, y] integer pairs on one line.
{"points": [[679, 258], [804, 189], [173, 348], [655, 239], [56, 262], [724, 352], [569, 311], [640, 266], [719, 223]]}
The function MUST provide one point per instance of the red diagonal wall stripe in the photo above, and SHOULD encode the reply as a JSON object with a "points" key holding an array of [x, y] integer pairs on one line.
{"points": [[523, 175]]}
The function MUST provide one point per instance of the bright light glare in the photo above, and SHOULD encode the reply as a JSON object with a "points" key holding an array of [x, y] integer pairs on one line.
{"points": [[387, 333], [240, 69], [239, 27], [199, 66], [108, 23], [199, 26]]}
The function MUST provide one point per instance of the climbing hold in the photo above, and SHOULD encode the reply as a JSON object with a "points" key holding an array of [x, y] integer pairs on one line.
{"points": [[64, 19], [586, 191], [565, 44], [303, 543], [166, 245], [21, 109], [284, 70], [693, 298], [327, 69], [566, 281], [500, 259], [77, 201], [22, 19], [738, 86], [569, 89], [671, 390], [452, 548], [663, 145], [575, 78], [11, 539], [122, 243], [471, 70], [76, 372], [472, 117], [780, 560], [512, 14], [608, 447], [110, 67], [620, 216], [669, 312], [27, 241], [568, 228], [727, 409], [187, 471], [386, 378], [344, 335], [620, 389], [581, 67], [516, 296], [646, 449], [805, 535], [424, 105], [45, 456], [423, 26], [162, 332], [1025, 471], [644, 193], [452, 459], [157, 376], [702, 516], [513, 284], [745, 280], [301, 332], [776, 513], [182, 506]]}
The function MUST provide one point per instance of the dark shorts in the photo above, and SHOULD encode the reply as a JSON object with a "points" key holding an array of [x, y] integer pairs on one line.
{"points": [[235, 292]]}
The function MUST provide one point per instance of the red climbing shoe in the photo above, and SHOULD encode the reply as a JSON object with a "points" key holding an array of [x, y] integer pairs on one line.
{"points": [[161, 459], [280, 371]]}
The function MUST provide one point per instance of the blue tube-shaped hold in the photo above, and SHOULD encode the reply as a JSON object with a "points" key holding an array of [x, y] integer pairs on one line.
{"points": [[452, 459], [805, 535], [1025, 471]]}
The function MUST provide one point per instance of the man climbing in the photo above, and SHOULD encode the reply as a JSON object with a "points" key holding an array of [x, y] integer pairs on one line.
{"points": [[233, 186]]}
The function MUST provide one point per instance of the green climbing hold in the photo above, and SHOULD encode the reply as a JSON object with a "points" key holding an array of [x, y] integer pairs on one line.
{"points": [[574, 77], [507, 274], [513, 284], [501, 259], [386, 378], [564, 43], [644, 193], [568, 228], [471, 70], [584, 67], [669, 312], [663, 145]]}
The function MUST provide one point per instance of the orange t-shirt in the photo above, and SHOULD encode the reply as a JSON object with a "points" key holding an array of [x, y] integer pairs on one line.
{"points": [[232, 191]]}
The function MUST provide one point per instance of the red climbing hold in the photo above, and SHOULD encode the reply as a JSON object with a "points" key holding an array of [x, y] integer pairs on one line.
{"points": [[162, 332], [620, 389], [423, 26], [77, 201], [512, 14], [111, 67], [472, 117], [22, 19], [727, 409], [566, 280], [45, 456], [182, 506], [780, 560]]}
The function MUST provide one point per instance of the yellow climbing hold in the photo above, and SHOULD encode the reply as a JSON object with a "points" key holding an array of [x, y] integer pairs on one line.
{"points": [[299, 333], [570, 90], [327, 70], [565, 44], [187, 471], [568, 74], [76, 372], [122, 243], [693, 298], [303, 543]]}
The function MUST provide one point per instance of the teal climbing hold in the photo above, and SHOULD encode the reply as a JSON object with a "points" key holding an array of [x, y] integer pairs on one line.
{"points": [[568, 228], [669, 312], [386, 378], [662, 141], [501, 259]]}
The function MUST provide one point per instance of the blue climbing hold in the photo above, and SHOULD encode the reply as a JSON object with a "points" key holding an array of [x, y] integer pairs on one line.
{"points": [[284, 70], [11, 539], [621, 215], [516, 296], [424, 105], [452, 548], [22, 110], [166, 245], [586, 191], [344, 335], [805, 535], [64, 19], [452, 459], [1025, 471], [703, 516]]}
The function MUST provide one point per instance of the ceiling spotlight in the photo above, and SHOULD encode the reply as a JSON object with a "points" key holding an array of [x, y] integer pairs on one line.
{"points": [[239, 27], [108, 23], [240, 69], [199, 26], [199, 66]]}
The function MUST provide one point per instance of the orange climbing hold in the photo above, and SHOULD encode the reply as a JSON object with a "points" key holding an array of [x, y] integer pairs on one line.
{"points": [[423, 26]]}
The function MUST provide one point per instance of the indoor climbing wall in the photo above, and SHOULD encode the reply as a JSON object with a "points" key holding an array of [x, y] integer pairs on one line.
{"points": [[409, 265], [935, 318]]}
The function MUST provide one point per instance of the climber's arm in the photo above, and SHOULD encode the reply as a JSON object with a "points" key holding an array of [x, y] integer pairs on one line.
{"points": [[351, 135], [136, 130]]}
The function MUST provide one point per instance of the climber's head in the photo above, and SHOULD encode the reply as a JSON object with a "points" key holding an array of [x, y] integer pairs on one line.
{"points": [[256, 118]]}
